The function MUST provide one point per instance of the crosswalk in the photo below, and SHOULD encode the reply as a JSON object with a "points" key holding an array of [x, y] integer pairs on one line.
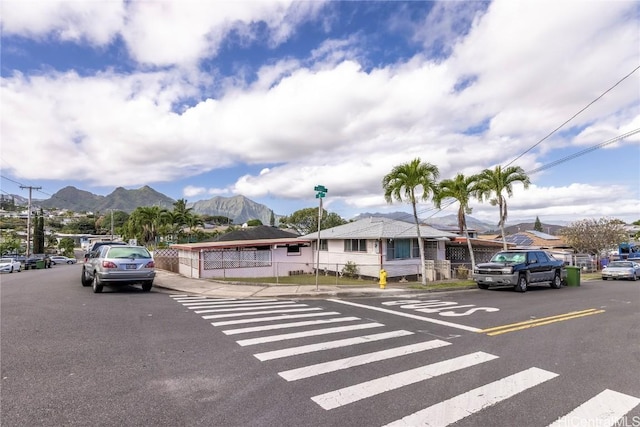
{"points": [[269, 321]]}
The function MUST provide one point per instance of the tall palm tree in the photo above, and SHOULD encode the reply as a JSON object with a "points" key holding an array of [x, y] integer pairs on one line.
{"points": [[496, 182], [402, 181], [147, 220], [461, 189]]}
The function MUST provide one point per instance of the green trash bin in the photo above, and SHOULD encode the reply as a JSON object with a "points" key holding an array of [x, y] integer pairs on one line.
{"points": [[40, 264], [573, 275]]}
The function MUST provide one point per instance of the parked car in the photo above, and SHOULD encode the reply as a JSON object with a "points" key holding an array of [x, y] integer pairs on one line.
{"points": [[113, 265], [520, 268], [9, 265], [97, 246], [59, 259], [621, 270], [32, 262]]}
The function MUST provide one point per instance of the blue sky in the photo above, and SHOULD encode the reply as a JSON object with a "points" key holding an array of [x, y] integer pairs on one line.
{"points": [[268, 99]]}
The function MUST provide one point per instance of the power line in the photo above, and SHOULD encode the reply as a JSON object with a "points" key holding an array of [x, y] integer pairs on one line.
{"points": [[583, 152], [574, 116]]}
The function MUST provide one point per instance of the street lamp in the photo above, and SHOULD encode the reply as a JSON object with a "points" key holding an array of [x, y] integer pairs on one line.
{"points": [[321, 191]]}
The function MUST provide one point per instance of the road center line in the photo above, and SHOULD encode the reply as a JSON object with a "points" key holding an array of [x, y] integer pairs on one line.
{"points": [[497, 330], [410, 316]]}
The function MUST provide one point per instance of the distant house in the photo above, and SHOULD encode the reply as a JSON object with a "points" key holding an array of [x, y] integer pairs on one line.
{"points": [[377, 243], [261, 251]]}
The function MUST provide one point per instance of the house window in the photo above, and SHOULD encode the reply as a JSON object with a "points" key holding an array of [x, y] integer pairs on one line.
{"points": [[355, 245], [430, 249], [324, 245], [402, 249], [293, 250]]}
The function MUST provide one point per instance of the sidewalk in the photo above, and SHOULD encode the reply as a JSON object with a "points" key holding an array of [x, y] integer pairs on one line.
{"points": [[204, 287]]}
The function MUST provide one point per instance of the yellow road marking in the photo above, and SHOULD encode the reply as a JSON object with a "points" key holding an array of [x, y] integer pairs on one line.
{"points": [[538, 322]]}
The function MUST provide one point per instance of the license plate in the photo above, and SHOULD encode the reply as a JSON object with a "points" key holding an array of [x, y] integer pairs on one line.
{"points": [[488, 279], [131, 266]]}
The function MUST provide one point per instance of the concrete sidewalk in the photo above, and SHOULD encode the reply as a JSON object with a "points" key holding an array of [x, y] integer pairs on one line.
{"points": [[205, 287]]}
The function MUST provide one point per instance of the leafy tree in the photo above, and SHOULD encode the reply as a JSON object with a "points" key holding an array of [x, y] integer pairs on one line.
{"points": [[403, 181], [10, 244], [305, 221], [38, 233], [272, 219], [144, 223], [538, 225], [81, 226], [461, 189], [66, 245], [496, 182], [103, 223], [595, 236], [254, 222]]}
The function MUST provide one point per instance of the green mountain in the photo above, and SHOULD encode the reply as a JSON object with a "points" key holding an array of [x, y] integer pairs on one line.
{"points": [[120, 199], [238, 208]]}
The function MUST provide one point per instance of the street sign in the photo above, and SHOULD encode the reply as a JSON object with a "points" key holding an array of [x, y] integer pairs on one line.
{"points": [[321, 191]]}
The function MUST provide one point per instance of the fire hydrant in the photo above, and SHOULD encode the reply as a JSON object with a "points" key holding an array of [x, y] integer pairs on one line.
{"points": [[383, 279]]}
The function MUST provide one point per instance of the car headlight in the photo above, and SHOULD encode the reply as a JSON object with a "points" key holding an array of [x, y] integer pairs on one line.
{"points": [[506, 270]]}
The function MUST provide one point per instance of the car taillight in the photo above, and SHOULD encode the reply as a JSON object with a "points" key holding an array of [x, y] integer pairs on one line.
{"points": [[150, 264], [108, 264]]}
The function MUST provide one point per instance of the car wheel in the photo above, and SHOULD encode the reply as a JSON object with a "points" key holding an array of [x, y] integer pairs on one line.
{"points": [[86, 281], [69, 262], [634, 278], [146, 286], [11, 271], [523, 283], [483, 286], [97, 287], [557, 281], [605, 278]]}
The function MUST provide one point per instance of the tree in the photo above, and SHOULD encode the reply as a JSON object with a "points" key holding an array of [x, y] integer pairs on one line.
{"points": [[305, 221], [10, 243], [595, 236], [461, 189], [403, 181], [144, 223], [254, 222], [66, 245], [497, 182], [538, 225]]}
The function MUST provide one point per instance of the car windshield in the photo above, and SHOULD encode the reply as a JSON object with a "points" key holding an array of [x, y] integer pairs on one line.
{"points": [[510, 257], [3, 260], [621, 264], [117, 252]]}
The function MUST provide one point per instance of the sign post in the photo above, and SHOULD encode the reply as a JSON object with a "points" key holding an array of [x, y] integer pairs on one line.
{"points": [[321, 191]]}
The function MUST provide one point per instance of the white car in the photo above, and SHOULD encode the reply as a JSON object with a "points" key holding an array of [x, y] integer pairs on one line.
{"points": [[59, 259], [9, 265]]}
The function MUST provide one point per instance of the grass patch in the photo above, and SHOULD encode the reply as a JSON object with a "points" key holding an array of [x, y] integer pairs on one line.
{"points": [[303, 279], [444, 285]]}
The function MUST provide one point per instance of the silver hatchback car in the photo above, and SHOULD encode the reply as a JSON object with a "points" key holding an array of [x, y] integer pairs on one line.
{"points": [[119, 265]]}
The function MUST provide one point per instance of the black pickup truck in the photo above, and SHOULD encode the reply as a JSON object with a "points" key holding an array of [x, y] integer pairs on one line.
{"points": [[519, 268]]}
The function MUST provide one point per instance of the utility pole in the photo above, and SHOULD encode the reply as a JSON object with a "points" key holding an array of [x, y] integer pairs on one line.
{"points": [[29, 218]]}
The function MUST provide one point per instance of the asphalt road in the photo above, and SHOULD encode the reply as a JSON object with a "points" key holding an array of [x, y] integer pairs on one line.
{"points": [[490, 358]]}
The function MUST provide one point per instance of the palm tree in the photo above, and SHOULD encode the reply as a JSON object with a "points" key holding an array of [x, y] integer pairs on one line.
{"points": [[402, 181], [461, 189], [496, 182], [146, 221]]}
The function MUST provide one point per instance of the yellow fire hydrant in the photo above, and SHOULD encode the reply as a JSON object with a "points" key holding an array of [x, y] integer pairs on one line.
{"points": [[383, 279]]}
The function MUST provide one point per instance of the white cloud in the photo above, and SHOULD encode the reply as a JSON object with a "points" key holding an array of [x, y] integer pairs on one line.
{"points": [[326, 119]]}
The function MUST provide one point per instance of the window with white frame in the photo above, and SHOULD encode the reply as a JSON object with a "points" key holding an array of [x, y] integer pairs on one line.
{"points": [[355, 245]]}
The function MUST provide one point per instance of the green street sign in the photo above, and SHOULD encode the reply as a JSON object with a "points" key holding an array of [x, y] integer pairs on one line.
{"points": [[320, 195], [320, 188]]}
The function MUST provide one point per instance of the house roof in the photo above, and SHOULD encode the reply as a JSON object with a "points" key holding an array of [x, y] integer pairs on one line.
{"points": [[240, 243], [256, 233], [537, 239], [379, 228]]}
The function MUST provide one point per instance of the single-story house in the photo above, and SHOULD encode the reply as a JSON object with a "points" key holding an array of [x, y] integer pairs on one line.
{"points": [[261, 251], [377, 243]]}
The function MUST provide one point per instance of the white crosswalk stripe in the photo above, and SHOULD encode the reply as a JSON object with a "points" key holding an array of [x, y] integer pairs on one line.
{"points": [[261, 316], [347, 342], [260, 313], [288, 325], [603, 410], [363, 359], [311, 333], [465, 404], [360, 391], [270, 318]]}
